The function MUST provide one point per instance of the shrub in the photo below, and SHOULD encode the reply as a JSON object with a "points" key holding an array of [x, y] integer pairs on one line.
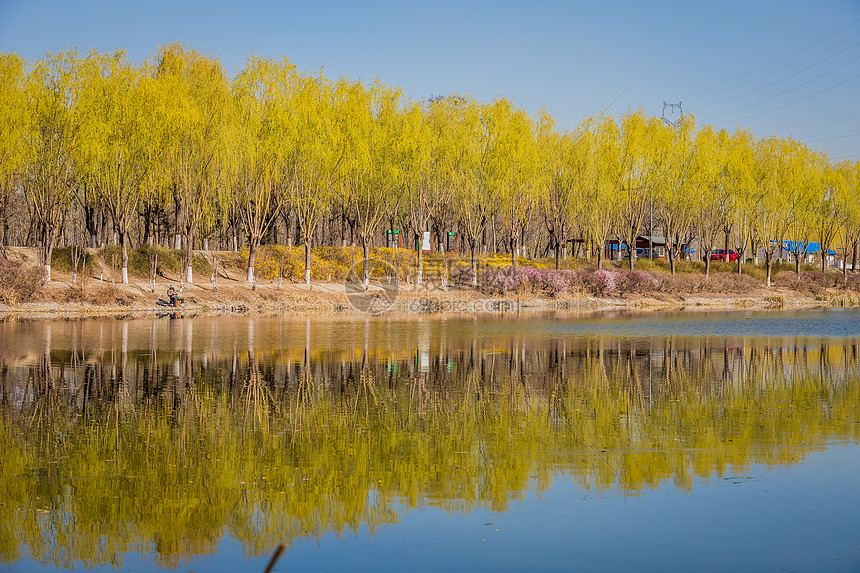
{"points": [[526, 280], [462, 275], [731, 283], [635, 282], [498, 280], [814, 282], [19, 283], [557, 282], [600, 282]]}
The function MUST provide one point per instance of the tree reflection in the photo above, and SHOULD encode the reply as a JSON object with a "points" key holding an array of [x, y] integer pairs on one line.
{"points": [[134, 446]]}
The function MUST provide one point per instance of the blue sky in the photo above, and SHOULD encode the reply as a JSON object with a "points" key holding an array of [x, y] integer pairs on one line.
{"points": [[787, 68]]}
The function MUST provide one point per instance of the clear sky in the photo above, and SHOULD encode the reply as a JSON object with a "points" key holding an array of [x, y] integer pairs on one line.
{"points": [[785, 68]]}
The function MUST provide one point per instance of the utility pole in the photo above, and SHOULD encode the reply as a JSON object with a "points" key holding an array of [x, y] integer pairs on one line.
{"points": [[672, 119]]}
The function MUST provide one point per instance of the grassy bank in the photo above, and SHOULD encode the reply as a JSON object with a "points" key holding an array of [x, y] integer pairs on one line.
{"points": [[90, 281]]}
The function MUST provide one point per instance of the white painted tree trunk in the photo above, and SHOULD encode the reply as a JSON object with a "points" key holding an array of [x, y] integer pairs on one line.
{"points": [[48, 272], [206, 244], [177, 241], [307, 276], [189, 275], [124, 275], [250, 274]]}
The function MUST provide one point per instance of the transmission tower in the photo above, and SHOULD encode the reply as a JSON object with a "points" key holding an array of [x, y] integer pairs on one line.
{"points": [[672, 119]]}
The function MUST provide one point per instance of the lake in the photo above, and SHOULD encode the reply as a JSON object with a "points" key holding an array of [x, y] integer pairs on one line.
{"points": [[714, 441]]}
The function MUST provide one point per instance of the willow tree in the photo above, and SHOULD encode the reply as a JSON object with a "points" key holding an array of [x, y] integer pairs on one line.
{"points": [[708, 186], [49, 145], [422, 155], [847, 190], [314, 154], [599, 210], [676, 202], [773, 214], [827, 210], [195, 150], [116, 142], [367, 121], [569, 173], [13, 125], [476, 196], [801, 186], [260, 144], [643, 146], [739, 182], [514, 166]]}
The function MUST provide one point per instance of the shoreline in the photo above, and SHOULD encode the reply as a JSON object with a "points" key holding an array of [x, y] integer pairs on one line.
{"points": [[328, 299], [92, 296]]}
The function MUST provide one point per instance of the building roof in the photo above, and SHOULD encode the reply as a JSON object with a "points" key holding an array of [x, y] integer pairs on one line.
{"points": [[811, 249]]}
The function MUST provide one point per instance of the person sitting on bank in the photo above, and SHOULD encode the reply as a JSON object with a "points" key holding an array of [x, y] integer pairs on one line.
{"points": [[172, 296]]}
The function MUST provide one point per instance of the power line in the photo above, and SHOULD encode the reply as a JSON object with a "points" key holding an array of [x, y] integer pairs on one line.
{"points": [[833, 135], [821, 121], [756, 70], [790, 90], [781, 79]]}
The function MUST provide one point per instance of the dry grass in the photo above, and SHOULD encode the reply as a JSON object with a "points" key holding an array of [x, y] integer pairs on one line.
{"points": [[719, 282], [19, 283]]}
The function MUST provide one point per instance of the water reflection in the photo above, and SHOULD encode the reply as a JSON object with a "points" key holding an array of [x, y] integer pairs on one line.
{"points": [[162, 436]]}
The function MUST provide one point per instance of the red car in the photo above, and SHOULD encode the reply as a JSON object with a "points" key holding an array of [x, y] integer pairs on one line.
{"points": [[720, 255]]}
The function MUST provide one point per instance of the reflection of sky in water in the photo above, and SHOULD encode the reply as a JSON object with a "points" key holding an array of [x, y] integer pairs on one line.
{"points": [[730, 526], [829, 323]]}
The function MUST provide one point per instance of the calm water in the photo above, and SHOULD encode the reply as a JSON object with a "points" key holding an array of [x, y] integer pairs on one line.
{"points": [[671, 442]]}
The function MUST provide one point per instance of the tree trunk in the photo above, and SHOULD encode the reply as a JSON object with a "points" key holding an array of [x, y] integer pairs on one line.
{"points": [[253, 247], [707, 266], [365, 244], [768, 262], [671, 253], [557, 255], [123, 247], [420, 273], [189, 257], [474, 264], [48, 252], [307, 261]]}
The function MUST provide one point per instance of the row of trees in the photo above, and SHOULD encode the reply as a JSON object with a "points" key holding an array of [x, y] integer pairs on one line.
{"points": [[173, 148]]}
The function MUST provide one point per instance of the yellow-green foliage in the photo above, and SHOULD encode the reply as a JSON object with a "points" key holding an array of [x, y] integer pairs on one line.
{"points": [[348, 443]]}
